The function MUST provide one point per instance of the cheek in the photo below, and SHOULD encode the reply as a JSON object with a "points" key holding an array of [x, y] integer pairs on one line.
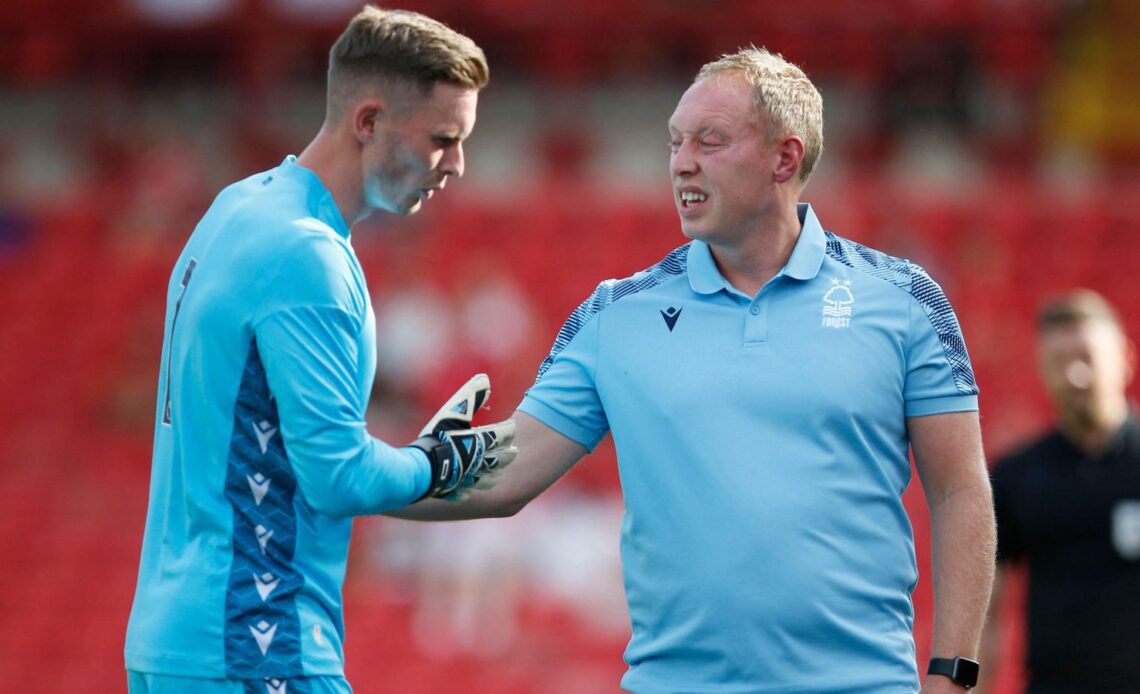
{"points": [[397, 163]]}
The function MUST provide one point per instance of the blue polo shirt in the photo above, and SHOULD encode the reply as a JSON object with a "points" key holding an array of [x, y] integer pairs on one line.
{"points": [[763, 452], [261, 454]]}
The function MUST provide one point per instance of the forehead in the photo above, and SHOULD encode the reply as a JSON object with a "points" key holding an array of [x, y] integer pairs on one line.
{"points": [[446, 107], [1082, 335], [721, 101]]}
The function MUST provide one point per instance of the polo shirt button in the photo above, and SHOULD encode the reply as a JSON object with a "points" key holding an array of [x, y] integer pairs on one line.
{"points": [[755, 310]]}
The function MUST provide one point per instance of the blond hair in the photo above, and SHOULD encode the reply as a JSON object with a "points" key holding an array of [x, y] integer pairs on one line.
{"points": [[404, 47], [785, 100]]}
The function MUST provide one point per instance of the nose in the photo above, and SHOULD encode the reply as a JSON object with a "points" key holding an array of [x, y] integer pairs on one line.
{"points": [[682, 162], [1078, 375], [452, 163]]}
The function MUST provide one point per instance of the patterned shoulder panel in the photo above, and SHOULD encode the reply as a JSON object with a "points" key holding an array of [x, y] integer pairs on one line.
{"points": [[610, 291], [913, 279]]}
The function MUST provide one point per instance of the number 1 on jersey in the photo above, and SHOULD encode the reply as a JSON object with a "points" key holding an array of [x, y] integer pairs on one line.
{"points": [[170, 343]]}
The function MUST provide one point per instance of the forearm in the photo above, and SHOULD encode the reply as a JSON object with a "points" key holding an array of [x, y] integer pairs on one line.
{"points": [[372, 479], [491, 503], [544, 457], [992, 653], [963, 540]]}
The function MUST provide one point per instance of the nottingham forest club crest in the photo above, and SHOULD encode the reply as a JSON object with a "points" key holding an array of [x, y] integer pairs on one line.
{"points": [[837, 303]]}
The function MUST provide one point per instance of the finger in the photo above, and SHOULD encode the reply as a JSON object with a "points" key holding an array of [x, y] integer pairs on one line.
{"points": [[488, 480], [457, 412], [499, 458], [498, 435]]}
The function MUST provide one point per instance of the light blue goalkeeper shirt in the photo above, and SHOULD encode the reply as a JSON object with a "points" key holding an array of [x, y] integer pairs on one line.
{"points": [[261, 455]]}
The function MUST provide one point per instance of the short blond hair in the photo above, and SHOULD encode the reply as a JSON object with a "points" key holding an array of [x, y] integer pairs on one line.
{"points": [[404, 47], [785, 100]]}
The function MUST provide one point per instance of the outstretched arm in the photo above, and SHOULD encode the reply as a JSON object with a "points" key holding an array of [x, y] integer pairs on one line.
{"points": [[951, 465], [544, 456]]}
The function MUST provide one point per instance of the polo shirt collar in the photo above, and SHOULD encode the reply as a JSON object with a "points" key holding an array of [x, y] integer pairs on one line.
{"points": [[704, 277], [807, 256], [804, 263]]}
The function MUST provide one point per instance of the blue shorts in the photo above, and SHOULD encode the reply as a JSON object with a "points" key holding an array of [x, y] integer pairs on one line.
{"points": [[147, 683]]}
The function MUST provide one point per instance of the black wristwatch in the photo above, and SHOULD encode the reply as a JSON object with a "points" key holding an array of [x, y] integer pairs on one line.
{"points": [[962, 671]]}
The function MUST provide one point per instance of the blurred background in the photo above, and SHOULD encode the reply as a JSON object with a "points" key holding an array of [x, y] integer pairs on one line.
{"points": [[995, 142]]}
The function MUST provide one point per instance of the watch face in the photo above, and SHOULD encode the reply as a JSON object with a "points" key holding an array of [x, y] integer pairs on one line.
{"points": [[965, 672]]}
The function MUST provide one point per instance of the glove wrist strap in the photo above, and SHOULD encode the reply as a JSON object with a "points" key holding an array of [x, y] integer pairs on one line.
{"points": [[441, 457]]}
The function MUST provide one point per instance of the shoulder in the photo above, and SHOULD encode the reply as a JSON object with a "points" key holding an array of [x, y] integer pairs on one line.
{"points": [[297, 258], [899, 272], [673, 266], [670, 268]]}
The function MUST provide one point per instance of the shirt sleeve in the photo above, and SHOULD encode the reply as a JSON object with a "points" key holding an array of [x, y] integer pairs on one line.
{"points": [[310, 357], [565, 395], [313, 307], [939, 376]]}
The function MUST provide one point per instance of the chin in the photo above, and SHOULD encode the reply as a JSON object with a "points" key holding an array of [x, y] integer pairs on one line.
{"points": [[693, 231]]}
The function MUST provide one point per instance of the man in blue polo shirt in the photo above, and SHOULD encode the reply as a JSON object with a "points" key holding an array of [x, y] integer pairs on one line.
{"points": [[261, 455], [763, 384]]}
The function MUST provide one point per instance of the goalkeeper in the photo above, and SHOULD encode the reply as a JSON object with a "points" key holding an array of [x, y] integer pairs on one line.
{"points": [[261, 457]]}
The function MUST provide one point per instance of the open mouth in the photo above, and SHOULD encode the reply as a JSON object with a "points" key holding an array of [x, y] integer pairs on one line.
{"points": [[691, 199]]}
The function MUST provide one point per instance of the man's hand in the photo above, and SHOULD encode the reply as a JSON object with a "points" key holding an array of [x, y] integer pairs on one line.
{"points": [[464, 457]]}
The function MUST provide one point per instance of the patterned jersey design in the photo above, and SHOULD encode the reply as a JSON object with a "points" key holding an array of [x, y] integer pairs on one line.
{"points": [[272, 685], [911, 277], [610, 291], [263, 634]]}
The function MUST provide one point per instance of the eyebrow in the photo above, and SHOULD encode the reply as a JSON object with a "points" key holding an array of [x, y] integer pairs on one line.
{"points": [[699, 132]]}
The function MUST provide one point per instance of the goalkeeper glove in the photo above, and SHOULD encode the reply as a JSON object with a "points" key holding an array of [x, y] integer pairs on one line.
{"points": [[461, 456]]}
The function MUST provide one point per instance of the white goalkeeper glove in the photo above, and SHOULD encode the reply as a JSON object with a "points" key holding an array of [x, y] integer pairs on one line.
{"points": [[464, 457]]}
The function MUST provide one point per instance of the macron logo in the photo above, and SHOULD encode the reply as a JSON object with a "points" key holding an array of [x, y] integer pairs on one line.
{"points": [[259, 485], [273, 686], [263, 535], [263, 633], [264, 431], [671, 315], [266, 584]]}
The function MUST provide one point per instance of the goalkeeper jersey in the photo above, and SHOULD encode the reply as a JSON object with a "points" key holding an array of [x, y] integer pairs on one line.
{"points": [[261, 455], [762, 448]]}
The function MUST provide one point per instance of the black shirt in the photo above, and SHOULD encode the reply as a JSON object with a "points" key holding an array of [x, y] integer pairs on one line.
{"points": [[1076, 521]]}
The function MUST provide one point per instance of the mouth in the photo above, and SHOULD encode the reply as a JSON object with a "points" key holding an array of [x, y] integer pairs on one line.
{"points": [[691, 200]]}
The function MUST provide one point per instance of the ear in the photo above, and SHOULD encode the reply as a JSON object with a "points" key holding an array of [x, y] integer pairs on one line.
{"points": [[791, 153], [364, 116]]}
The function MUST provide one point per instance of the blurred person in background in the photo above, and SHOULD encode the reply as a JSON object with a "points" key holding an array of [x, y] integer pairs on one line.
{"points": [[1068, 508], [261, 455], [763, 385]]}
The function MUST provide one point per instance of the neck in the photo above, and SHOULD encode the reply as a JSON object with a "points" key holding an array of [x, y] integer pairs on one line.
{"points": [[749, 264], [327, 157], [1091, 433]]}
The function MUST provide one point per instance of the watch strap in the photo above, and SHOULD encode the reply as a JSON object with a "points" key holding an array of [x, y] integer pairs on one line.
{"points": [[961, 671]]}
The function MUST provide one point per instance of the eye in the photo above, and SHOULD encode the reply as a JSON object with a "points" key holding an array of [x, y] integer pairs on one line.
{"points": [[674, 145]]}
